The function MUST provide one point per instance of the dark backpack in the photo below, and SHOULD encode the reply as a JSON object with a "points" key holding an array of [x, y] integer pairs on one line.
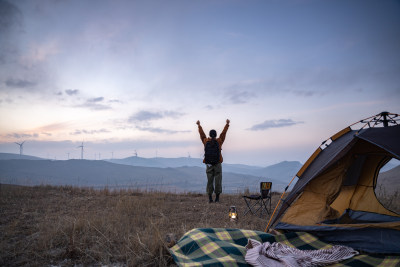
{"points": [[211, 152]]}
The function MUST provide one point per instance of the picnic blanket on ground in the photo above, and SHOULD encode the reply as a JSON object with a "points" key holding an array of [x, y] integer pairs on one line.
{"points": [[226, 247]]}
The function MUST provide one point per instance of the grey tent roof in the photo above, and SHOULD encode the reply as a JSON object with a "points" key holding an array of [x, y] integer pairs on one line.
{"points": [[387, 138]]}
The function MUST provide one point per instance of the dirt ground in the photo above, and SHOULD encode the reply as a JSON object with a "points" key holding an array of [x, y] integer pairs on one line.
{"points": [[65, 226]]}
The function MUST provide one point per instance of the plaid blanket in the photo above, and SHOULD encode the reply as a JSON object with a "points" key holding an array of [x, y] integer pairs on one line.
{"points": [[226, 247]]}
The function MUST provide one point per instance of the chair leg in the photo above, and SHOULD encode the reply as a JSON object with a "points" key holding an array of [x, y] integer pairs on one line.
{"points": [[264, 206], [250, 206]]}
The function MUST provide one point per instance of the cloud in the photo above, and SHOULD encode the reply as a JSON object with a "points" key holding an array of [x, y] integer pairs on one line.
{"points": [[304, 85], [83, 131], [159, 130], [53, 127], [274, 124], [242, 91], [306, 93], [143, 119], [95, 99], [240, 97], [46, 130], [145, 116], [24, 65], [19, 83], [10, 25], [6, 100], [209, 107], [72, 92], [94, 104], [22, 135]]}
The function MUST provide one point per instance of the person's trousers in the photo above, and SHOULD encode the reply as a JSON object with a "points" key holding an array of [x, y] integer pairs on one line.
{"points": [[214, 174]]}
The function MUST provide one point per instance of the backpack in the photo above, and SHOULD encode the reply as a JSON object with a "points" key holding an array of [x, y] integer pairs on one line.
{"points": [[211, 152]]}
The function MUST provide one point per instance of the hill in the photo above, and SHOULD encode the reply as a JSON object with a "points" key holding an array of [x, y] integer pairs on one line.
{"points": [[5, 156], [283, 171], [106, 174], [159, 162]]}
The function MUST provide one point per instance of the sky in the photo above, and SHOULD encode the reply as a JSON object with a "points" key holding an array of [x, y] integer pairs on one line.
{"points": [[126, 77]]}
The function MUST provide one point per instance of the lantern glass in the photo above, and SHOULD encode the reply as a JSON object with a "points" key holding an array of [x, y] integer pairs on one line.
{"points": [[233, 215]]}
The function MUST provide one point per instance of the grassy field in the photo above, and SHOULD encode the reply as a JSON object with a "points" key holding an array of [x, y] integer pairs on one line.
{"points": [[65, 226]]}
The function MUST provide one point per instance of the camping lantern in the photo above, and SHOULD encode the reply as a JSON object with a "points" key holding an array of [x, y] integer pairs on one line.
{"points": [[233, 215]]}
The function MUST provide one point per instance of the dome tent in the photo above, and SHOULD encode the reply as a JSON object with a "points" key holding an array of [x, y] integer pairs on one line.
{"points": [[334, 197]]}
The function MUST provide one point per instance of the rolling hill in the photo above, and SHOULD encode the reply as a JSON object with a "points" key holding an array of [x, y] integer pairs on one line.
{"points": [[166, 174], [5, 156], [283, 171], [101, 173]]}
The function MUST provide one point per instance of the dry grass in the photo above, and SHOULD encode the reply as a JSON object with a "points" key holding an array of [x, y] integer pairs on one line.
{"points": [[66, 226]]}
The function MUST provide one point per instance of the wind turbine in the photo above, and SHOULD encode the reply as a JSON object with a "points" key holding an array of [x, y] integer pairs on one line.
{"points": [[21, 148], [81, 146]]}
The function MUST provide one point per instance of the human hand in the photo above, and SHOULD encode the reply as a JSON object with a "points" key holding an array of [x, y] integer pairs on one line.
{"points": [[227, 121], [198, 123]]}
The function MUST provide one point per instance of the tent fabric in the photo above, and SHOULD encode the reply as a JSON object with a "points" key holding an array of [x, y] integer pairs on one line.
{"points": [[339, 183], [336, 155], [386, 138], [365, 238], [361, 196], [226, 247], [356, 217], [324, 159]]}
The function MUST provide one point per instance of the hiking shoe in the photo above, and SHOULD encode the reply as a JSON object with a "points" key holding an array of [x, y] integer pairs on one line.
{"points": [[217, 198], [210, 200]]}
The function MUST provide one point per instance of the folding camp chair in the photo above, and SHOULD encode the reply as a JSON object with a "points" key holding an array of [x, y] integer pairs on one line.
{"points": [[259, 202]]}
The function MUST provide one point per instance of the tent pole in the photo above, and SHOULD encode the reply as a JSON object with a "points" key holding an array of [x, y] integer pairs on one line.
{"points": [[385, 120], [277, 205]]}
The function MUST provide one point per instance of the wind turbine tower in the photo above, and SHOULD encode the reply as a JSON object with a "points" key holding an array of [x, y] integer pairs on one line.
{"points": [[81, 146], [21, 148]]}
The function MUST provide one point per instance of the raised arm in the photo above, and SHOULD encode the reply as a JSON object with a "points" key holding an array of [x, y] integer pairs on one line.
{"points": [[201, 132], [223, 133]]}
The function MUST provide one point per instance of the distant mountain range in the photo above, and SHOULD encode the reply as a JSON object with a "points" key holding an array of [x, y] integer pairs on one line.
{"points": [[283, 171], [91, 173], [166, 174]]}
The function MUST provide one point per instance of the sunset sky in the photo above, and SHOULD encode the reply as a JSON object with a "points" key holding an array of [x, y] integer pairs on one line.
{"points": [[125, 76]]}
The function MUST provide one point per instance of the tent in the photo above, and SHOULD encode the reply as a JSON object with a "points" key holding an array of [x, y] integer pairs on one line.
{"points": [[334, 197]]}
